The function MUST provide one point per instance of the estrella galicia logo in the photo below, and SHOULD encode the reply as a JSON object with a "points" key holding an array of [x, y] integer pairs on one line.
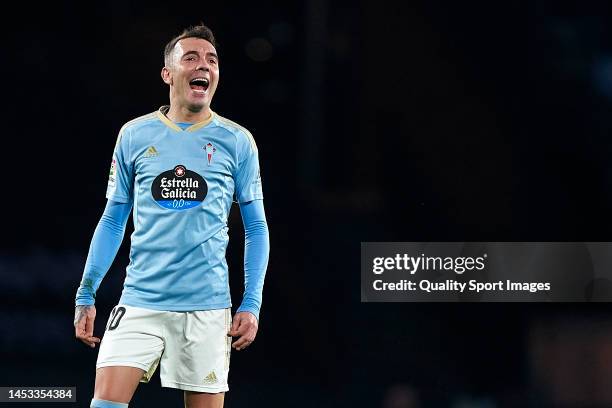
{"points": [[179, 188]]}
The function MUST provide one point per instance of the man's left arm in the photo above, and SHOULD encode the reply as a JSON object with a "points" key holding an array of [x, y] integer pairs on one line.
{"points": [[256, 253]]}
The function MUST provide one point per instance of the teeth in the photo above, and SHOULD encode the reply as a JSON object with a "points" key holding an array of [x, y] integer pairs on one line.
{"points": [[203, 80]]}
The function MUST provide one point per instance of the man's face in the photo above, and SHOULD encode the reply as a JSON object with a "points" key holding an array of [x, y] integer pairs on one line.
{"points": [[192, 73]]}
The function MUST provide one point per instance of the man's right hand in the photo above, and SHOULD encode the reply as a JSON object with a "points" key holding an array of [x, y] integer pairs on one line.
{"points": [[84, 317]]}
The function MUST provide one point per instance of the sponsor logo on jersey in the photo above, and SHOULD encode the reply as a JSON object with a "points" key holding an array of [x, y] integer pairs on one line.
{"points": [[151, 152], [179, 188], [210, 150]]}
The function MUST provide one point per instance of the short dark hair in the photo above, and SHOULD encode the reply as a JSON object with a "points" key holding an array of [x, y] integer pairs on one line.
{"points": [[198, 31]]}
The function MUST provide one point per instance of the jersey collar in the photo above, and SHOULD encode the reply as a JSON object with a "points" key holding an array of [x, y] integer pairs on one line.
{"points": [[161, 114]]}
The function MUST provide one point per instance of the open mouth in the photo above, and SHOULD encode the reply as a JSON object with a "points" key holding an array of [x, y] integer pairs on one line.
{"points": [[199, 84]]}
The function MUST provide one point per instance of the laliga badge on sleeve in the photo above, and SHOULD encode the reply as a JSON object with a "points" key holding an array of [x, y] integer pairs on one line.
{"points": [[112, 173]]}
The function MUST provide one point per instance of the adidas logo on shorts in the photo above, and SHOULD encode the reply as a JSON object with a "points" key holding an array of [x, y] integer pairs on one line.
{"points": [[211, 378]]}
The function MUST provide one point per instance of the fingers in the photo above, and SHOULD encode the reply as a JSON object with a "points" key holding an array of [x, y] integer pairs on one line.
{"points": [[234, 330], [243, 342], [246, 328], [84, 325], [90, 340]]}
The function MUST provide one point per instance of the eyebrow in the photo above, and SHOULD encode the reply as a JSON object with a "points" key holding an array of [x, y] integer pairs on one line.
{"points": [[208, 54]]}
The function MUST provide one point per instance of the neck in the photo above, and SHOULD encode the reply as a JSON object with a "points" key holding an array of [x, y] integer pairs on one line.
{"points": [[184, 115]]}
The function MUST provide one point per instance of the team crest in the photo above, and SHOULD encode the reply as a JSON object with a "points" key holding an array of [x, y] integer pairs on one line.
{"points": [[210, 150]]}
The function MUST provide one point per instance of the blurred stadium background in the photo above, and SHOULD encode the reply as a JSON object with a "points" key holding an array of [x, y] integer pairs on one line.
{"points": [[376, 121]]}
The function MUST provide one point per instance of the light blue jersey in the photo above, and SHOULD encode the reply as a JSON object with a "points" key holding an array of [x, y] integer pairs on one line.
{"points": [[181, 183]]}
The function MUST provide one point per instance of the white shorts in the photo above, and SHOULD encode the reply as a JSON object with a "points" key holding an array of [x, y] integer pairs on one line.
{"points": [[193, 347]]}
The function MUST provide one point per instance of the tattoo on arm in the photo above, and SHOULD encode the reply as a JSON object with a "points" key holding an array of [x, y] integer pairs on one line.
{"points": [[80, 312]]}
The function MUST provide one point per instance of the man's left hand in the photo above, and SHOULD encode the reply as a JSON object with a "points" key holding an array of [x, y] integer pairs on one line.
{"points": [[244, 326]]}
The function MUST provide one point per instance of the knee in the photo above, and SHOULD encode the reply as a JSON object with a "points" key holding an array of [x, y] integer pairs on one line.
{"points": [[100, 403]]}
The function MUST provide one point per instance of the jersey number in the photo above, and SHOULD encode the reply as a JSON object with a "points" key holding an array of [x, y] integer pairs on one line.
{"points": [[115, 318]]}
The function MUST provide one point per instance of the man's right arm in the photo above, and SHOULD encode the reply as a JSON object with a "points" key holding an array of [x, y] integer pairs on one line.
{"points": [[102, 251]]}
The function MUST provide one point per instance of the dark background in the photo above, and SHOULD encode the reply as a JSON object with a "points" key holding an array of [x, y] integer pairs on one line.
{"points": [[375, 121]]}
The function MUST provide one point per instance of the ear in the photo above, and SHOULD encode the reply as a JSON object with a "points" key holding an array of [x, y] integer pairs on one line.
{"points": [[166, 75]]}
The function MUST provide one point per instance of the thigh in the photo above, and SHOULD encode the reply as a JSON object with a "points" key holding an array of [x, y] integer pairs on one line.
{"points": [[197, 351], [203, 400], [134, 339], [117, 383]]}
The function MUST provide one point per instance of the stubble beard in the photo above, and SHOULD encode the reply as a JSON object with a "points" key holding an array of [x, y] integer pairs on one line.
{"points": [[196, 108]]}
